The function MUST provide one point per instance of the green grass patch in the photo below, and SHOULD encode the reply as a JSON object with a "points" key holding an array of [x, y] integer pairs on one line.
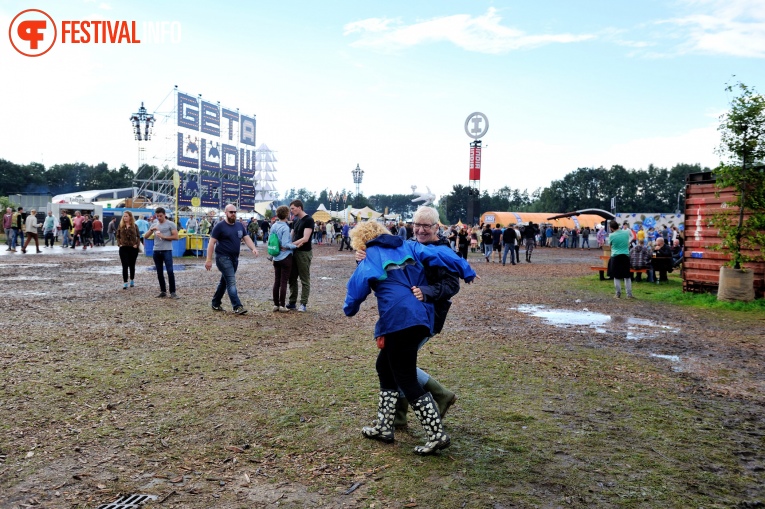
{"points": [[670, 293]]}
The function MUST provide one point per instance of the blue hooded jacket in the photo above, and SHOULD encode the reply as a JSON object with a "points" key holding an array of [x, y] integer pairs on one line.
{"points": [[392, 267]]}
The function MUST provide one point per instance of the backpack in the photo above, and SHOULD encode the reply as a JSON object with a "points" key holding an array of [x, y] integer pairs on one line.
{"points": [[274, 246]]}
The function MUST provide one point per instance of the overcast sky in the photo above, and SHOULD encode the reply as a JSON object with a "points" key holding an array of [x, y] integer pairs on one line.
{"points": [[388, 85]]}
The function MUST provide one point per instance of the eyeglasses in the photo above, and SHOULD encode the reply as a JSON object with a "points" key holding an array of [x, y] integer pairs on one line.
{"points": [[425, 227], [231, 212]]}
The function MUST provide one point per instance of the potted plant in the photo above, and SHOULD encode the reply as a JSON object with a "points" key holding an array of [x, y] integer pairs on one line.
{"points": [[742, 131]]}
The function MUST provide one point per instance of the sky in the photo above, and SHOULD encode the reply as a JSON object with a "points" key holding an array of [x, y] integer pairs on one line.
{"points": [[389, 85]]}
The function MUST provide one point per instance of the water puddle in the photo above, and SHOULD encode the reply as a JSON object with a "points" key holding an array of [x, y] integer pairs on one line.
{"points": [[585, 320], [677, 365], [177, 267], [28, 265]]}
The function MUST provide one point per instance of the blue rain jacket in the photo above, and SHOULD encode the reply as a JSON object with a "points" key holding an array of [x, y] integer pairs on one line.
{"points": [[392, 267]]}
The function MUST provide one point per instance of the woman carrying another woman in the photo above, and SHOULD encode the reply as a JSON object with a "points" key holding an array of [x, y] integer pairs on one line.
{"points": [[128, 239], [391, 268], [282, 261]]}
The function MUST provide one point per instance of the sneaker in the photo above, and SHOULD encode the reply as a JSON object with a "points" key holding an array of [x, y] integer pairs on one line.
{"points": [[618, 296], [174, 296], [275, 309], [239, 310], [216, 307], [283, 309], [630, 296], [301, 308], [124, 286], [132, 284], [291, 306], [161, 295]]}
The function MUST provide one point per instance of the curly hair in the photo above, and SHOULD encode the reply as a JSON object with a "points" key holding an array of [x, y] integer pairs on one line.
{"points": [[364, 232]]}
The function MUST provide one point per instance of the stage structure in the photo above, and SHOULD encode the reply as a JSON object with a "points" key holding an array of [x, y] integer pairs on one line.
{"points": [[264, 174], [213, 152], [161, 190]]}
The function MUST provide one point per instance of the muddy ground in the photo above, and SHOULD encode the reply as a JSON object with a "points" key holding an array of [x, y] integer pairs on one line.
{"points": [[62, 308]]}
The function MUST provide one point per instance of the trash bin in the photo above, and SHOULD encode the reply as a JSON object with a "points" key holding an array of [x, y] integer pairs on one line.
{"points": [[148, 246], [179, 247], [197, 244]]}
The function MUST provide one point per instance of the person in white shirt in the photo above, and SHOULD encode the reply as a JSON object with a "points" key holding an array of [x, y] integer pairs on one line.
{"points": [[30, 228]]}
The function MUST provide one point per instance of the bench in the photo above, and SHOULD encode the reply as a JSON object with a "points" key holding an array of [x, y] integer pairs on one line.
{"points": [[602, 271]]}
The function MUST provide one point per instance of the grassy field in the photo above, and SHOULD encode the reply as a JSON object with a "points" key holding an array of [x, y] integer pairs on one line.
{"points": [[213, 410]]}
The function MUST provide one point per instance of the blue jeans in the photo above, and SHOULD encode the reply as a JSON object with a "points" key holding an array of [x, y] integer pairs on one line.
{"points": [[511, 248], [164, 257], [66, 241], [227, 266], [15, 236], [488, 249]]}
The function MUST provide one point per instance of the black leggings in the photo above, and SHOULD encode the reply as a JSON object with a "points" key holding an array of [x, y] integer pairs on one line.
{"points": [[128, 256], [397, 362]]}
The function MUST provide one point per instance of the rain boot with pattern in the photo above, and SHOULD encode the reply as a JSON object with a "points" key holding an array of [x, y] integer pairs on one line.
{"points": [[382, 428], [426, 410]]}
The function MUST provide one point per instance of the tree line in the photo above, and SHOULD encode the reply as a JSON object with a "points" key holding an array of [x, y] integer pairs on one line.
{"points": [[653, 189]]}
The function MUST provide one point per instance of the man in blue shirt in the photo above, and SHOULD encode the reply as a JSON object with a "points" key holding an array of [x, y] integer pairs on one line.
{"points": [[143, 227], [225, 241]]}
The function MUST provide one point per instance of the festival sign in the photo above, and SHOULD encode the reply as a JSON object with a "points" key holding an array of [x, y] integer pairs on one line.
{"points": [[218, 141]]}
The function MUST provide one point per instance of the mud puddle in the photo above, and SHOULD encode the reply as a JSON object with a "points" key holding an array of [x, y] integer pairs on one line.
{"points": [[585, 320]]}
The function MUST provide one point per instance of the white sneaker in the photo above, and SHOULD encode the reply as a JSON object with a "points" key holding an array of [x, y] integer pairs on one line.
{"points": [[275, 309], [283, 309], [301, 308]]}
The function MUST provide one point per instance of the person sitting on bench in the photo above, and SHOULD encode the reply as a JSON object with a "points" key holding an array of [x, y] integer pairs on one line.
{"points": [[677, 253], [640, 258]]}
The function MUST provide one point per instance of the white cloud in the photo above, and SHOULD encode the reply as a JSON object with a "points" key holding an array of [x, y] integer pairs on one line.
{"points": [[482, 34], [724, 27]]}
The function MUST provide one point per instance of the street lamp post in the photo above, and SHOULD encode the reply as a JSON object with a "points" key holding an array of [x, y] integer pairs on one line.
{"points": [[358, 174]]}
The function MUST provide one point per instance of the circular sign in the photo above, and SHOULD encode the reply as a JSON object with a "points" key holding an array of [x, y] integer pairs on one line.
{"points": [[196, 202], [176, 180], [31, 34], [476, 125]]}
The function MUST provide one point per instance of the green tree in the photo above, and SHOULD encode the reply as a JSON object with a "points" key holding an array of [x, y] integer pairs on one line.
{"points": [[742, 132]]}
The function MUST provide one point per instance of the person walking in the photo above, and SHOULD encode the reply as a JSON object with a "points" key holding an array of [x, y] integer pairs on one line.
{"points": [[86, 237], [405, 321], [529, 236], [77, 224], [129, 242], [619, 264], [165, 232], [225, 240], [302, 229], [30, 228], [49, 229], [66, 225], [283, 261], [345, 239], [7, 222], [111, 230], [98, 231], [508, 244]]}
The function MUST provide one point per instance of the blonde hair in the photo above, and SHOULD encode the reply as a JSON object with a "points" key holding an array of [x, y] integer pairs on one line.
{"points": [[364, 232]]}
